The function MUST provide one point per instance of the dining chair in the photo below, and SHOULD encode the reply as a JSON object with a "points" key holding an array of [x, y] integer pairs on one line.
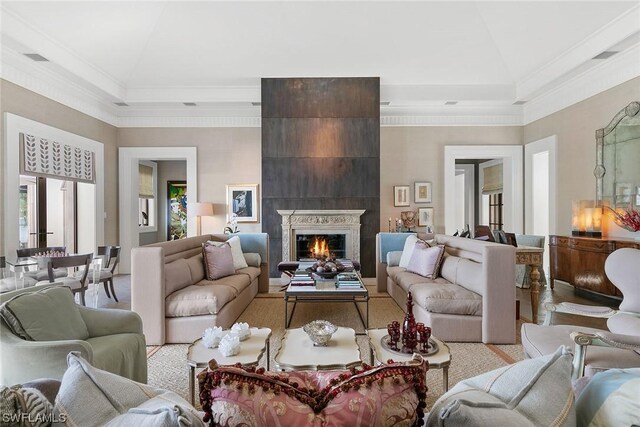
{"points": [[111, 258], [78, 284]]}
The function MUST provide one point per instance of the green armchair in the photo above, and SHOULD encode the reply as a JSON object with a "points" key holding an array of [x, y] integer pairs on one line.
{"points": [[50, 325]]}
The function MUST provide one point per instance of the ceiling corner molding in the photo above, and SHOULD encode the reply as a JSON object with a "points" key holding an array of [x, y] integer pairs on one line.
{"points": [[474, 115], [193, 122], [612, 33], [617, 70], [17, 69]]}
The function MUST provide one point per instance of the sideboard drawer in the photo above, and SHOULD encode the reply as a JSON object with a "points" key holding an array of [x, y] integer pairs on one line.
{"points": [[593, 245], [558, 241]]}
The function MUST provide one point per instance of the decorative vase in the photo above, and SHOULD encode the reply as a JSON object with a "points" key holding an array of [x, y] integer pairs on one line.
{"points": [[409, 341]]}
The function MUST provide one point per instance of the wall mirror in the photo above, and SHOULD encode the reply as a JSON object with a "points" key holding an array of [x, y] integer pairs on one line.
{"points": [[618, 160]]}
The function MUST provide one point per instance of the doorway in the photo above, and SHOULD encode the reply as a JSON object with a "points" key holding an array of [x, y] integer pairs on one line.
{"points": [[540, 190]]}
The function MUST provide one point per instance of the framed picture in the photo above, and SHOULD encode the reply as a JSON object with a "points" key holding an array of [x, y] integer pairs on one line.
{"points": [[422, 192], [425, 217], [176, 210], [242, 200], [400, 195]]}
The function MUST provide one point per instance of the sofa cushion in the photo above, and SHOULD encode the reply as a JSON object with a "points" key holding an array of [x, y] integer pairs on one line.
{"points": [[385, 395], [406, 279], [533, 392], [610, 399], [50, 314], [463, 272], [236, 251], [252, 272], [218, 261], [196, 266], [177, 275], [204, 298], [237, 283], [426, 260], [447, 298], [253, 259], [92, 397]]}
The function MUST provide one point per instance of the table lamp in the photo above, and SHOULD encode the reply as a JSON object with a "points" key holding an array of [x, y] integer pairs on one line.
{"points": [[200, 209]]}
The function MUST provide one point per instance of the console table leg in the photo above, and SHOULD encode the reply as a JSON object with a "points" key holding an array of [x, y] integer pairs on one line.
{"points": [[535, 292], [445, 379]]}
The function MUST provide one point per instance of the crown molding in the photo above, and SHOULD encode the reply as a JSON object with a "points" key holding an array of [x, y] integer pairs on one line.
{"points": [[18, 69], [189, 122], [614, 32], [620, 68]]}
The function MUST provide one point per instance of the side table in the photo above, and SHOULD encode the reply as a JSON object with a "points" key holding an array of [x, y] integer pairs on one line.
{"points": [[298, 353], [439, 360], [251, 350]]}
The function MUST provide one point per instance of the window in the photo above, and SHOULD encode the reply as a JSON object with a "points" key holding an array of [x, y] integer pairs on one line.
{"points": [[147, 196], [495, 211]]}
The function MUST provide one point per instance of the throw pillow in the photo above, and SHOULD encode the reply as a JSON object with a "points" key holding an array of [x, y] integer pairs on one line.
{"points": [[92, 397], [531, 392], [50, 314], [610, 399], [218, 261], [236, 250], [26, 404], [426, 260], [392, 394], [409, 246]]}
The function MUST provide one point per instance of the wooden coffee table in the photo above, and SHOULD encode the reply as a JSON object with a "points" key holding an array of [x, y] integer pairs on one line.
{"points": [[439, 360], [251, 350], [297, 352]]}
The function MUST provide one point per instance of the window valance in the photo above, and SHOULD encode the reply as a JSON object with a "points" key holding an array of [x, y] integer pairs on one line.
{"points": [[43, 157]]}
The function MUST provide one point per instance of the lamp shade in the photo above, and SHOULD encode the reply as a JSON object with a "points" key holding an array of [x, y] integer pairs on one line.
{"points": [[201, 209]]}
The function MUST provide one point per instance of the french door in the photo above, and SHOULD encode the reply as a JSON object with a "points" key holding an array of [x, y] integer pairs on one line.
{"points": [[47, 212]]}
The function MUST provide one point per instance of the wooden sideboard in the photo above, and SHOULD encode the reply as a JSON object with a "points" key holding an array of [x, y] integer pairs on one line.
{"points": [[580, 261]]}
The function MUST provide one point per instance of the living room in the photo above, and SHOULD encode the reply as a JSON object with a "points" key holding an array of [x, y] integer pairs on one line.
{"points": [[273, 121]]}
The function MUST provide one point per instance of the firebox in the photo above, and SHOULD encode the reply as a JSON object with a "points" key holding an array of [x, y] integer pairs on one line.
{"points": [[309, 245]]}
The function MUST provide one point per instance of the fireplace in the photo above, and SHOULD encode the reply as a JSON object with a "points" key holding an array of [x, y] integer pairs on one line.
{"points": [[339, 228], [312, 245]]}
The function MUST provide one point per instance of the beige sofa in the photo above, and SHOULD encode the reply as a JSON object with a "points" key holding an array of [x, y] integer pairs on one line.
{"points": [[473, 300], [176, 303]]}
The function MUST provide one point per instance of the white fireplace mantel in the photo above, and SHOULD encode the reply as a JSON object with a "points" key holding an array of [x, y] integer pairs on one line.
{"points": [[345, 222]]}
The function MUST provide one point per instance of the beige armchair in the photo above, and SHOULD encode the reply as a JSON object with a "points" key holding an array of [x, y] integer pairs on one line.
{"points": [[112, 340], [596, 350]]}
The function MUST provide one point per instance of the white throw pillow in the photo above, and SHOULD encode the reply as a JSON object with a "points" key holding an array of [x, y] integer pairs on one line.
{"points": [[409, 245], [236, 252]]}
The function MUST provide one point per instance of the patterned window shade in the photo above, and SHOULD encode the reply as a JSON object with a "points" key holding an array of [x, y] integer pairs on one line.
{"points": [[492, 179], [145, 180], [43, 157]]}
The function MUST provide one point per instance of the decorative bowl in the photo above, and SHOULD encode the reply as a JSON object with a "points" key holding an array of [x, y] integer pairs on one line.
{"points": [[320, 331], [324, 274]]}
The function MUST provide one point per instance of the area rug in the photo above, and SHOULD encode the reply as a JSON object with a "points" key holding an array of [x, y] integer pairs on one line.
{"points": [[168, 368]]}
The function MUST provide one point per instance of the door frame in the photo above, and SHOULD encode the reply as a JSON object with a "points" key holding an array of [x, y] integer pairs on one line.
{"points": [[469, 171], [128, 186], [549, 144], [14, 125], [512, 158]]}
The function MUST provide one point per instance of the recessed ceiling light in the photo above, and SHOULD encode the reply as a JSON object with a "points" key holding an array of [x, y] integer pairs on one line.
{"points": [[451, 103], [519, 102], [606, 54], [256, 104], [385, 102], [121, 104], [36, 57], [189, 104]]}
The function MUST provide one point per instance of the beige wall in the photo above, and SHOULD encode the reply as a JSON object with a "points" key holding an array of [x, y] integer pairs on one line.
{"points": [[225, 156], [410, 154], [22, 102], [575, 128]]}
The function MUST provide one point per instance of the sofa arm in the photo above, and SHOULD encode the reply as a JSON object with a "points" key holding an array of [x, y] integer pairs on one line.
{"points": [[101, 322], [498, 293], [148, 291], [24, 361], [599, 339]]}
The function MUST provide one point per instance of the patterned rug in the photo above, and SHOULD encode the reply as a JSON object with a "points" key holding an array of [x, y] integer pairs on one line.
{"points": [[168, 369]]}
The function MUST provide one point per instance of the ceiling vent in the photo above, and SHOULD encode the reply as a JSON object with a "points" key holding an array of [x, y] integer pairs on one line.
{"points": [[451, 103], [121, 104], [189, 104], [36, 57], [385, 102], [519, 102], [256, 104], [606, 54]]}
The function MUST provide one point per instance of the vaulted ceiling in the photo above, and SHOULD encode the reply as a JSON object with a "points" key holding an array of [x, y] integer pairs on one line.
{"points": [[155, 56]]}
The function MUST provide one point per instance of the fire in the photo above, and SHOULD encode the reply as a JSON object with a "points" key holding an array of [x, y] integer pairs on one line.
{"points": [[319, 248]]}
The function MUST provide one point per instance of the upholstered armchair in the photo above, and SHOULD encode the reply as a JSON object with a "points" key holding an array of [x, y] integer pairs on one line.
{"points": [[596, 350], [40, 325]]}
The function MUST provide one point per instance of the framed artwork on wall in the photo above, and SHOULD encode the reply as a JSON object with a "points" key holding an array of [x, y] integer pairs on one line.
{"points": [[422, 192], [425, 217], [176, 210], [400, 195], [242, 201]]}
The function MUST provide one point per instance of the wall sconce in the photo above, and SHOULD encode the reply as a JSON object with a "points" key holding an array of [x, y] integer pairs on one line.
{"points": [[586, 218]]}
